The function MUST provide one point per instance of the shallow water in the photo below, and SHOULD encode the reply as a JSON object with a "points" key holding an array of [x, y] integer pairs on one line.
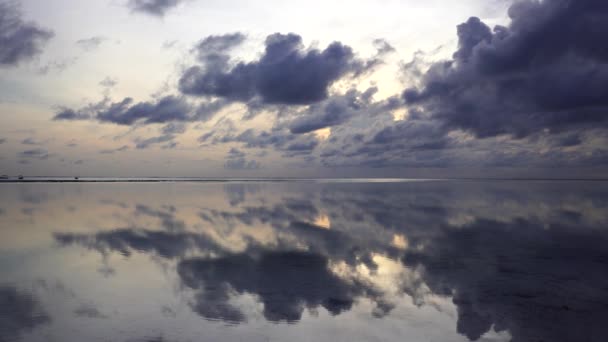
{"points": [[304, 261]]}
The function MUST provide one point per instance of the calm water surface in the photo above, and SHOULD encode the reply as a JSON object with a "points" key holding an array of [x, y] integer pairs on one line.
{"points": [[304, 261]]}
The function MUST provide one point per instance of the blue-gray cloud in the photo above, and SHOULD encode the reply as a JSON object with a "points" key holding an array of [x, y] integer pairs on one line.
{"points": [[164, 110], [31, 141], [20, 311], [89, 44], [286, 73], [37, 153], [112, 151], [236, 160], [126, 112], [19, 40], [168, 133], [153, 7], [546, 71]]}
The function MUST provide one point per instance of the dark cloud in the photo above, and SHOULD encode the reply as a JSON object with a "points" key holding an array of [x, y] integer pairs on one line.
{"points": [[2, 140], [19, 312], [168, 133], [126, 112], [153, 7], [37, 153], [545, 72], [111, 151], [286, 73], [286, 282], [383, 46], [128, 240], [211, 48], [89, 311], [19, 40], [164, 110], [145, 143], [280, 139], [540, 282], [166, 216], [522, 257], [338, 109], [90, 44]]}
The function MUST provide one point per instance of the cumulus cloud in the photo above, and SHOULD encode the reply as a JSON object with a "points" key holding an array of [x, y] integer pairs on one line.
{"points": [[286, 73], [19, 40], [545, 71], [531, 93], [276, 277]]}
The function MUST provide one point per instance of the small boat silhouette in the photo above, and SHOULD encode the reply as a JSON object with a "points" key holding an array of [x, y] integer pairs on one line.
{"points": [[76, 178], [20, 177]]}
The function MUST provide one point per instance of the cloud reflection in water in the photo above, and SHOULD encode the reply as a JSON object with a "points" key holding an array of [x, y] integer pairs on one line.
{"points": [[524, 258]]}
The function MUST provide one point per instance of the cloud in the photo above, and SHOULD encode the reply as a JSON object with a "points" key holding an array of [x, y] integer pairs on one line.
{"points": [[37, 153], [31, 141], [153, 7], [526, 257], [166, 216], [285, 282], [145, 143], [285, 74], [20, 312], [19, 40], [90, 44], [89, 311], [280, 139], [111, 151], [168, 133], [108, 82], [3, 140], [126, 112], [339, 109], [57, 65], [546, 71], [236, 161], [241, 164], [128, 240], [506, 276]]}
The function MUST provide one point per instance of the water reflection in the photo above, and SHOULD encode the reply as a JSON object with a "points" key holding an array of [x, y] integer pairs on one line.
{"points": [[19, 311], [444, 261]]}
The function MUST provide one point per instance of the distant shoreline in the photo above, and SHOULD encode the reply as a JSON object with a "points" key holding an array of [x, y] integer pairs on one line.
{"points": [[274, 180]]}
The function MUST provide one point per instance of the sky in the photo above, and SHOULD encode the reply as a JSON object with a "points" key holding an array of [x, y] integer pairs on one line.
{"points": [[234, 88]]}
